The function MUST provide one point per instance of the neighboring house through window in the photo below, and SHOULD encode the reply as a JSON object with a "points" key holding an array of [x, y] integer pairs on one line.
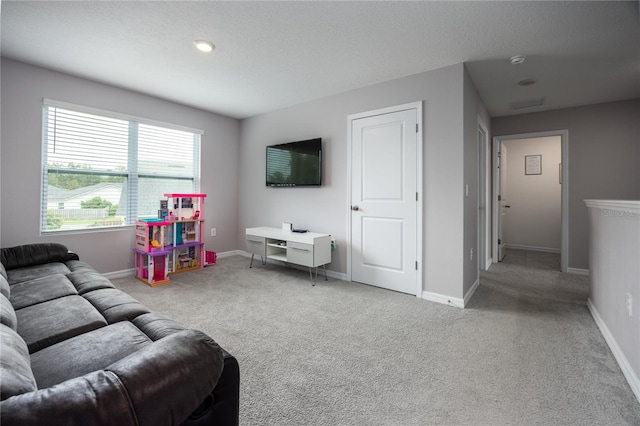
{"points": [[102, 169]]}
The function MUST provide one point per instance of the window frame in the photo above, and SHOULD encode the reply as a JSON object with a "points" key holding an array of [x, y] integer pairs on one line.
{"points": [[131, 175]]}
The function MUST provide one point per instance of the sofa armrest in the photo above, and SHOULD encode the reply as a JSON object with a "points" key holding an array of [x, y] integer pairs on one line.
{"points": [[168, 380], [97, 398], [160, 384], [71, 256], [32, 254]]}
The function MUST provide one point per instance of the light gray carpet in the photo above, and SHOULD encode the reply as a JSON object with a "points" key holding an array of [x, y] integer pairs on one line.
{"points": [[525, 352]]}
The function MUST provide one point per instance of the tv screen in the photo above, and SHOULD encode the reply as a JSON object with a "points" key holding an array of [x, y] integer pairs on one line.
{"points": [[295, 163]]}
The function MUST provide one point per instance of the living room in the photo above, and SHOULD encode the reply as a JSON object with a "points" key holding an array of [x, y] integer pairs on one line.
{"points": [[232, 166]]}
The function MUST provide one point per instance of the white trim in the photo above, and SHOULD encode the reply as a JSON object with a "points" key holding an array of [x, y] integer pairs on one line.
{"points": [[419, 182], [484, 229], [441, 298], [125, 273], [625, 366], [532, 248], [614, 204], [119, 116], [578, 271], [489, 263], [230, 253], [564, 238], [471, 292], [330, 274]]}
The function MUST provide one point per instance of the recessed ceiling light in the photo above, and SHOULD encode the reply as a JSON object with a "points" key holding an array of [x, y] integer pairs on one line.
{"points": [[518, 59], [204, 46], [527, 82]]}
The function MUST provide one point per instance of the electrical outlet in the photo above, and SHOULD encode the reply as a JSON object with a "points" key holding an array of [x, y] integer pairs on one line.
{"points": [[213, 232], [630, 304]]}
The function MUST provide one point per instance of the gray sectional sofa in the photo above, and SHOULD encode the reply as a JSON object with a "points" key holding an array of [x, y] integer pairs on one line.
{"points": [[74, 350]]}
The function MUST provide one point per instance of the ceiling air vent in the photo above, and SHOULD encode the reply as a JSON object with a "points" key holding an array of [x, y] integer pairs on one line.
{"points": [[526, 104]]}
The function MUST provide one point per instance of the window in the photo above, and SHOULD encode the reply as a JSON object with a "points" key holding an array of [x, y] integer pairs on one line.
{"points": [[103, 169]]}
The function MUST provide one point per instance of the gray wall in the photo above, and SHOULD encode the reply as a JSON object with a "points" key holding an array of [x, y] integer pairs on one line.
{"points": [[614, 250], [534, 219], [474, 109], [604, 154], [325, 209], [23, 88]]}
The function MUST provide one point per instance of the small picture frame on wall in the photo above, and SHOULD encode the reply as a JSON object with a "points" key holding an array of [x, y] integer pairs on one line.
{"points": [[533, 164]]}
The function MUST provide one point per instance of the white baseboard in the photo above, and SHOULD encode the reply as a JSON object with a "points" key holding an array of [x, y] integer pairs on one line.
{"points": [[623, 362], [330, 274], [230, 253], [120, 274], [445, 300], [531, 248], [578, 271], [470, 293], [488, 264]]}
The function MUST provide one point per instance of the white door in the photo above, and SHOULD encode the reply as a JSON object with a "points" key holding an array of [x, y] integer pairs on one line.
{"points": [[502, 198], [383, 200]]}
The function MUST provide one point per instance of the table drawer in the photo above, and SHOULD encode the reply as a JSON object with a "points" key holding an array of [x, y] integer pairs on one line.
{"points": [[256, 245], [300, 254]]}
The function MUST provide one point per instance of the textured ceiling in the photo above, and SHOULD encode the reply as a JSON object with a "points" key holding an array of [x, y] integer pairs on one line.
{"points": [[270, 55]]}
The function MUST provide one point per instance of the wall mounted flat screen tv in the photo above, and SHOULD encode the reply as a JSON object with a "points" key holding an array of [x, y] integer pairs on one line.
{"points": [[295, 163]]}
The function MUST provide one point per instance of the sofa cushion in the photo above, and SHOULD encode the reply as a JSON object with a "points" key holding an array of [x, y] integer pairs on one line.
{"points": [[15, 369], [50, 322], [79, 265], [85, 353], [88, 280], [157, 326], [7, 314], [40, 290], [116, 305], [29, 273], [32, 254]]}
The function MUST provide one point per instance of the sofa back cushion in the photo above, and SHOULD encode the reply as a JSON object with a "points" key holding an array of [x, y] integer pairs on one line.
{"points": [[15, 365], [32, 254]]}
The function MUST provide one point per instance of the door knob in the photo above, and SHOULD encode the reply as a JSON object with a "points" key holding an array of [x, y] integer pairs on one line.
{"points": [[355, 208]]}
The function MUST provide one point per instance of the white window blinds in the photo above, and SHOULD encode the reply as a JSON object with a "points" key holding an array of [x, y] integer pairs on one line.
{"points": [[103, 169]]}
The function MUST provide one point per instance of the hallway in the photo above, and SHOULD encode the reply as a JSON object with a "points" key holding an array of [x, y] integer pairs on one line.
{"points": [[533, 259], [542, 321]]}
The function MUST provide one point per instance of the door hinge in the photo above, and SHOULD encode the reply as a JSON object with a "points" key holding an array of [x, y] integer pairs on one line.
{"points": [[499, 154], [499, 241], [416, 127], [417, 197], [499, 197], [416, 265]]}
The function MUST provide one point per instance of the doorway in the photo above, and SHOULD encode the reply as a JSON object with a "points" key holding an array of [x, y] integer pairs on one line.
{"points": [[534, 168], [385, 206]]}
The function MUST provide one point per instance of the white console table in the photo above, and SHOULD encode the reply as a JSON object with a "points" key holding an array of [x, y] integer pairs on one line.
{"points": [[306, 249]]}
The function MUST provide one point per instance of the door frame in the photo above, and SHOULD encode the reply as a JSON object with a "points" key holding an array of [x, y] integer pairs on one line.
{"points": [[564, 139], [419, 158], [484, 199]]}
